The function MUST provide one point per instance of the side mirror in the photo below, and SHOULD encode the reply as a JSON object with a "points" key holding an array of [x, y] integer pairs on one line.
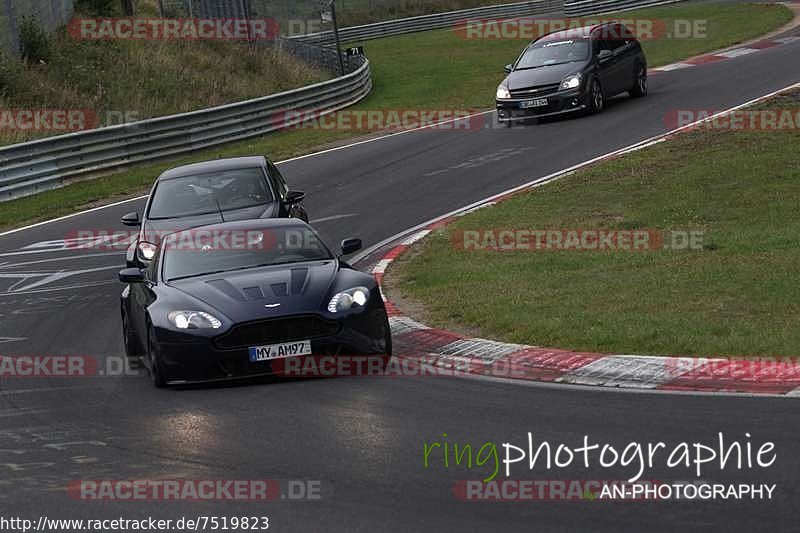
{"points": [[509, 68], [295, 197], [604, 54], [350, 246], [131, 219], [131, 275]]}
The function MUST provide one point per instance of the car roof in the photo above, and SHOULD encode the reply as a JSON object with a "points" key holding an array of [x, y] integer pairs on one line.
{"points": [[583, 32], [216, 165]]}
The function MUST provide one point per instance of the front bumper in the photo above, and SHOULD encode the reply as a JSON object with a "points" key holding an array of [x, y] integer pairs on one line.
{"points": [[199, 359], [558, 103]]}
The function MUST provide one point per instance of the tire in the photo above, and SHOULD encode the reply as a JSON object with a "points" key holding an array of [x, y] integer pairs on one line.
{"points": [[388, 340], [503, 123], [299, 212], [639, 88], [133, 350], [155, 366], [597, 100]]}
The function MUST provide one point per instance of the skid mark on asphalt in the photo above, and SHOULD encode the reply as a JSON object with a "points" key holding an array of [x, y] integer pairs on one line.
{"points": [[46, 278], [483, 160]]}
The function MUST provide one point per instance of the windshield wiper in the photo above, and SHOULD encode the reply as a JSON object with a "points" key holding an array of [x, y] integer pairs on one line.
{"points": [[198, 275]]}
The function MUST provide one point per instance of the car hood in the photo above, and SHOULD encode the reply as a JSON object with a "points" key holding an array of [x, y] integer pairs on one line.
{"points": [[266, 292], [154, 230], [522, 79]]}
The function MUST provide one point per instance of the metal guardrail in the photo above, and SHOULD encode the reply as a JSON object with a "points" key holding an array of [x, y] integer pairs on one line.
{"points": [[435, 21], [583, 8], [44, 164]]}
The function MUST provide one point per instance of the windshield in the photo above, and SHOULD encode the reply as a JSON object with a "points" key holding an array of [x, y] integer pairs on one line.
{"points": [[197, 252], [202, 194], [554, 53]]}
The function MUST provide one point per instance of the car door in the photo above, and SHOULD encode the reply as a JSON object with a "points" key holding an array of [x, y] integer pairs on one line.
{"points": [[606, 67], [625, 55]]}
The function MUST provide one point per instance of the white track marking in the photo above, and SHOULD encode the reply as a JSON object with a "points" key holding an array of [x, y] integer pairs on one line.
{"points": [[416, 237], [736, 52], [334, 217], [381, 267], [673, 66], [403, 324], [645, 372]]}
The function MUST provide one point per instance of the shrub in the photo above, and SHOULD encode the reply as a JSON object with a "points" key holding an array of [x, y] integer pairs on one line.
{"points": [[34, 43], [10, 74], [100, 8]]}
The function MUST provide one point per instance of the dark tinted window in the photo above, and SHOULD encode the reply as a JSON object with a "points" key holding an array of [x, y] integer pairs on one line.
{"points": [[206, 193], [542, 54], [196, 252]]}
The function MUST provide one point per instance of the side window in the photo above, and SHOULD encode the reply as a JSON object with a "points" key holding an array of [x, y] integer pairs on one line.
{"points": [[601, 43], [277, 180], [622, 36]]}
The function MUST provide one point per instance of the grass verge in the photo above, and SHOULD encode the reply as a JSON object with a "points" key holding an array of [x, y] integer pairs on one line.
{"points": [[738, 295], [139, 79], [430, 70]]}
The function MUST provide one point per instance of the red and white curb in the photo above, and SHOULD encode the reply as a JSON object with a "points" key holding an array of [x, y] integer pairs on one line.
{"points": [[726, 54], [531, 363]]}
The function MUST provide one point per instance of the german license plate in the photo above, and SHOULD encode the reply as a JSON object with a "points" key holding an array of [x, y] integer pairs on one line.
{"points": [[536, 102], [279, 351]]}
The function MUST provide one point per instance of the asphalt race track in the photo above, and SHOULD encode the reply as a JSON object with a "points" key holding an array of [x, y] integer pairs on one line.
{"points": [[363, 438]]}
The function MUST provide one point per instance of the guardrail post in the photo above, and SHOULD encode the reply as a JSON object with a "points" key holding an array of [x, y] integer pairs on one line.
{"points": [[13, 28], [336, 34]]}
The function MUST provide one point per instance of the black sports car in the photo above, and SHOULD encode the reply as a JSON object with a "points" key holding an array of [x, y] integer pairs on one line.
{"points": [[571, 71], [227, 300], [223, 190]]}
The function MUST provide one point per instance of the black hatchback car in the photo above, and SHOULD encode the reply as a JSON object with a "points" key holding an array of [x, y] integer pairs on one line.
{"points": [[573, 70], [224, 190]]}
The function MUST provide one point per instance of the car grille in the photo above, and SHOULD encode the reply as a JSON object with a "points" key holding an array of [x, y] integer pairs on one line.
{"points": [[533, 92], [277, 330]]}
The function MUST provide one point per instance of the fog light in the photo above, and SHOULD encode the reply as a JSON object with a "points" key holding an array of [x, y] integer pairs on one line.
{"points": [[574, 102]]}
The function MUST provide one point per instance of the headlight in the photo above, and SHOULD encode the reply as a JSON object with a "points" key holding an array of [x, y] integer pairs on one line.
{"points": [[502, 92], [147, 250], [572, 82], [354, 298], [194, 320]]}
